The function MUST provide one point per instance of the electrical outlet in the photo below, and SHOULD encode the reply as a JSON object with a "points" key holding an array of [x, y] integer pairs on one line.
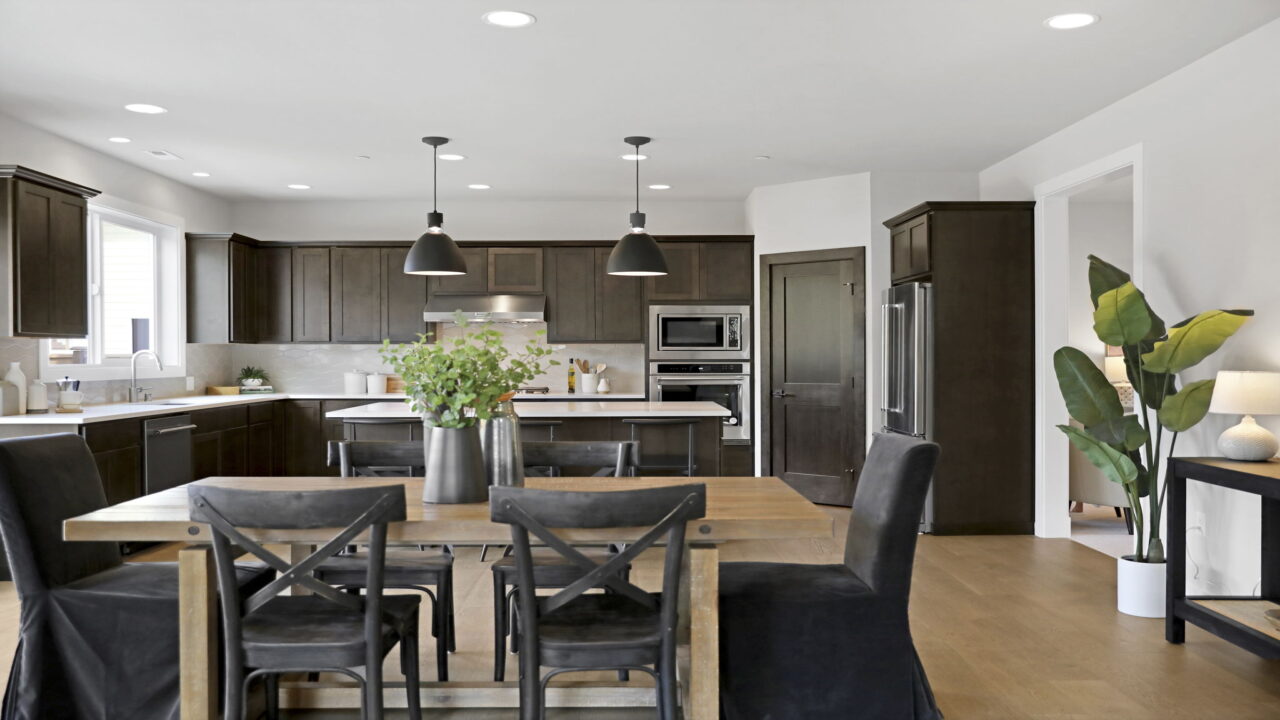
{"points": [[191, 383]]}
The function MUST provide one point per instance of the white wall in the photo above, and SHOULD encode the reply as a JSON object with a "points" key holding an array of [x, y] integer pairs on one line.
{"points": [[839, 212], [1211, 163], [1104, 229], [383, 220]]}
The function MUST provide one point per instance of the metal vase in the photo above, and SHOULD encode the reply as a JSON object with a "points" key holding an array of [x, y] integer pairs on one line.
{"points": [[454, 466], [500, 438]]}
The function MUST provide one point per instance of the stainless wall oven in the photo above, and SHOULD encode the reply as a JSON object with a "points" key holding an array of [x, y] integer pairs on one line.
{"points": [[699, 332], [728, 384]]}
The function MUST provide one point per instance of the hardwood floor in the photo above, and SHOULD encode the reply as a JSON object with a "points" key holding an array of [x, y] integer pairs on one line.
{"points": [[1007, 627]]}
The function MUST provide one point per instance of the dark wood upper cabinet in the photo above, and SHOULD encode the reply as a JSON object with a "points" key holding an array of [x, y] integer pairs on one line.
{"points": [[909, 249], [310, 294], [619, 306], [44, 228], [515, 270], [222, 288], [355, 292], [404, 297], [684, 273], [475, 281], [275, 295], [571, 294], [727, 271]]}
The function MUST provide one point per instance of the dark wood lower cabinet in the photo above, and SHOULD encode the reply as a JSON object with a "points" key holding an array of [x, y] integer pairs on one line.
{"points": [[737, 460], [659, 444], [220, 442], [307, 433], [117, 451]]}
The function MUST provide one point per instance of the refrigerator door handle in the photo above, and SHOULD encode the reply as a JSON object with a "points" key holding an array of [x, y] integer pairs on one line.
{"points": [[886, 316]]}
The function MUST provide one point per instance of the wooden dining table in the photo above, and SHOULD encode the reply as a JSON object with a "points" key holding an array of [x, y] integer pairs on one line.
{"points": [[738, 508]]}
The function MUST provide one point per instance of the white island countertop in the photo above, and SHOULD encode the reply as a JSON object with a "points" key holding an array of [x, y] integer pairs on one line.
{"points": [[552, 409]]}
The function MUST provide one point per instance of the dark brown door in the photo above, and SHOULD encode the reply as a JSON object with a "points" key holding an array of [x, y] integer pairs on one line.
{"points": [[684, 274], [619, 306], [244, 293], [404, 297], [727, 271], [475, 281], [571, 296], [311, 294], [515, 270], [304, 448], [355, 287], [275, 295], [816, 365], [50, 257]]}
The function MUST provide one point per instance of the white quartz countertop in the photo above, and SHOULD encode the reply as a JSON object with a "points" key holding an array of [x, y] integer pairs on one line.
{"points": [[548, 409], [170, 406]]}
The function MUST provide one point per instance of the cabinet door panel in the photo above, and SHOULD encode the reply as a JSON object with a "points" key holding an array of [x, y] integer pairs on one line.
{"points": [[205, 454], [355, 287], [121, 473], [311, 294], [275, 295], [244, 291], [571, 294], [233, 452], [515, 270], [50, 256], [475, 281], [261, 450], [619, 306], [684, 273], [727, 271], [404, 297], [303, 438]]}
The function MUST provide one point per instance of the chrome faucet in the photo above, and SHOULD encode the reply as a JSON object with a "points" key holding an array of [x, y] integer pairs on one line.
{"points": [[135, 392]]}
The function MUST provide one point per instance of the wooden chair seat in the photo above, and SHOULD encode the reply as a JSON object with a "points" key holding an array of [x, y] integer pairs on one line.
{"points": [[276, 634], [602, 629]]}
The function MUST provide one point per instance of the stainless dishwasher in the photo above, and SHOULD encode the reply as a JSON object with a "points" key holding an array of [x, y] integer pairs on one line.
{"points": [[166, 453]]}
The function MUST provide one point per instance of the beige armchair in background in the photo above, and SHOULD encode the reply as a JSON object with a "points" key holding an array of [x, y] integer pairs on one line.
{"points": [[1090, 485]]}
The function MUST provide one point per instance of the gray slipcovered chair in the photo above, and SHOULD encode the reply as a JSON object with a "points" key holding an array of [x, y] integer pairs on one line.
{"points": [[626, 628], [268, 635], [822, 642], [99, 637]]}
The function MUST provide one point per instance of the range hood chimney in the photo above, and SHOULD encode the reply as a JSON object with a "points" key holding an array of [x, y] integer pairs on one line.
{"points": [[487, 308]]}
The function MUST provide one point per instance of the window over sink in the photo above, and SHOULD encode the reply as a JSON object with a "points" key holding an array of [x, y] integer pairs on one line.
{"points": [[135, 301]]}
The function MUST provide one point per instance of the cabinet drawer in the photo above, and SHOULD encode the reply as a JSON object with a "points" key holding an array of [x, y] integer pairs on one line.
{"points": [[113, 435], [262, 412], [218, 419]]}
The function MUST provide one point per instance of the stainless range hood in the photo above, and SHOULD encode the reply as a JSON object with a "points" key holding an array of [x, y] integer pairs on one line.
{"points": [[487, 308]]}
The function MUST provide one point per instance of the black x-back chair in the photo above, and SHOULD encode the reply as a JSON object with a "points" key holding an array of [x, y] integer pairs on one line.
{"points": [[626, 628], [328, 631], [98, 636], [601, 459], [405, 570], [828, 642]]}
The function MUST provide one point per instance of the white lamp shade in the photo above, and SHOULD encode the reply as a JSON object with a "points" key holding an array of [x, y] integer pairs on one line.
{"points": [[1113, 368], [1246, 393]]}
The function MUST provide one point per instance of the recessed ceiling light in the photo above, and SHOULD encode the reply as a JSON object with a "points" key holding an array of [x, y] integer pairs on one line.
{"points": [[635, 156], [659, 187], [119, 140], [145, 109], [509, 18], [162, 155], [1071, 21], [762, 157], [200, 174], [478, 186], [452, 156], [299, 186], [362, 157]]}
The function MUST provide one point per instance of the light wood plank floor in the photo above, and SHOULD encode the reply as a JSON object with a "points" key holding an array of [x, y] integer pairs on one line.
{"points": [[1007, 627]]}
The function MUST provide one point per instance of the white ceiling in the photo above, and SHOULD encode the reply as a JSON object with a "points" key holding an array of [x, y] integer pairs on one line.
{"points": [[269, 92]]}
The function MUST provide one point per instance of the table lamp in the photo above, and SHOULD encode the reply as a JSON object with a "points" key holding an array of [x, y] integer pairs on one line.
{"points": [[1248, 394]]}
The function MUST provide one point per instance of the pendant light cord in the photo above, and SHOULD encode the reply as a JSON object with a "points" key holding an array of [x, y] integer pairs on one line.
{"points": [[435, 179], [637, 178]]}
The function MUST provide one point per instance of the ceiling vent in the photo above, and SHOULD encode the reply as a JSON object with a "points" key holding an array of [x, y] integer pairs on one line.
{"points": [[162, 155]]}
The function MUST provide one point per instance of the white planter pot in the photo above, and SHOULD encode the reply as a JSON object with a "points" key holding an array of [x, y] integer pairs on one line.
{"points": [[1140, 588]]}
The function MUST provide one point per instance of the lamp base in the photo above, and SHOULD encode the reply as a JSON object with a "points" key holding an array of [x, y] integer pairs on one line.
{"points": [[1248, 441]]}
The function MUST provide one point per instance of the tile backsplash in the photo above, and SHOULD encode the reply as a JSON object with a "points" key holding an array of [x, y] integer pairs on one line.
{"points": [[208, 364]]}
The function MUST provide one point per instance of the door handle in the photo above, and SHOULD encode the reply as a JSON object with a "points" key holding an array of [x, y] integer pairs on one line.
{"points": [[166, 431], [781, 394]]}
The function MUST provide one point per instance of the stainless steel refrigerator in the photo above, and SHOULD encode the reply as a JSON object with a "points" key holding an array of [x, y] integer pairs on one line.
{"points": [[906, 367]]}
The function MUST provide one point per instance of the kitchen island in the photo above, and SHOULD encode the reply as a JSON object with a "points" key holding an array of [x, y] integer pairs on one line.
{"points": [[661, 444]]}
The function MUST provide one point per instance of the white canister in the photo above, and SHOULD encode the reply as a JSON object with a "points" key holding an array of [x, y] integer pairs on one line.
{"points": [[602, 387], [19, 380], [587, 383], [377, 384], [38, 397], [353, 383]]}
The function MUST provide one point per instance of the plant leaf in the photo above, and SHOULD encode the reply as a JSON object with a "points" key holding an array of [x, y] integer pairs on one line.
{"points": [[1114, 464], [1121, 316], [1194, 339], [1123, 433], [1090, 398], [1185, 410], [1103, 277]]}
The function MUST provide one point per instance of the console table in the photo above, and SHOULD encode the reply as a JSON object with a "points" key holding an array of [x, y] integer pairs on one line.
{"points": [[1237, 619]]}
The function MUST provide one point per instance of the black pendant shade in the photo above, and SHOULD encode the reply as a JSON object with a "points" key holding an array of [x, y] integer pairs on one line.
{"points": [[637, 254], [434, 252]]}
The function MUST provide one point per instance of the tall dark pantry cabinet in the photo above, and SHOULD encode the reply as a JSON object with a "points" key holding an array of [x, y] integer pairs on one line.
{"points": [[977, 259]]}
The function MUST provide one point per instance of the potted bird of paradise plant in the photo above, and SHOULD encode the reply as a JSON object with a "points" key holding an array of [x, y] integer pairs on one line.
{"points": [[1130, 448]]}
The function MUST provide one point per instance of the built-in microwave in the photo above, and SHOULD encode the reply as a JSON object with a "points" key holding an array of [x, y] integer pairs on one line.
{"points": [[699, 332]]}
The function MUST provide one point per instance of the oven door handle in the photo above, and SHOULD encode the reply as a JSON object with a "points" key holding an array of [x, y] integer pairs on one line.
{"points": [[700, 379]]}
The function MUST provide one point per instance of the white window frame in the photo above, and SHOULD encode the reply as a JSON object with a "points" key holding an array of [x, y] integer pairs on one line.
{"points": [[168, 328]]}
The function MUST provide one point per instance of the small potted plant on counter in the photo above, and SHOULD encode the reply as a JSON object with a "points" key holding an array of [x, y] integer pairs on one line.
{"points": [[251, 376], [1130, 448], [455, 384]]}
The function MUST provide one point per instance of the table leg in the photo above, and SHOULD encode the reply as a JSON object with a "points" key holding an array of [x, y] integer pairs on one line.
{"points": [[1175, 628], [198, 633], [704, 634]]}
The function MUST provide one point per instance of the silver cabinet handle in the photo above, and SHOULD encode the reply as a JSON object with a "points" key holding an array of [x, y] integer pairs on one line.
{"points": [[166, 431]]}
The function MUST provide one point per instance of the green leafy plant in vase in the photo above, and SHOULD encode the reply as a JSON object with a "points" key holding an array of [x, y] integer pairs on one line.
{"points": [[454, 385], [251, 376], [1130, 448]]}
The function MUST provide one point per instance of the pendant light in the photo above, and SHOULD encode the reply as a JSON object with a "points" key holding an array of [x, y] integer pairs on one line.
{"points": [[435, 253], [636, 254]]}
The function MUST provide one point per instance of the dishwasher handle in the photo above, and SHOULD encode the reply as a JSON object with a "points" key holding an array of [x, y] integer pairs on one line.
{"points": [[166, 431]]}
